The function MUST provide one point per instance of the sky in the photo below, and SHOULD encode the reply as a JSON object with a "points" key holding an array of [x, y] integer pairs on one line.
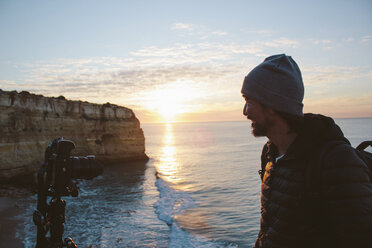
{"points": [[181, 61]]}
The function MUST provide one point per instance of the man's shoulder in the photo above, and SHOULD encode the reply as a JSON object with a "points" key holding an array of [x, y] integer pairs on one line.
{"points": [[339, 166], [335, 154]]}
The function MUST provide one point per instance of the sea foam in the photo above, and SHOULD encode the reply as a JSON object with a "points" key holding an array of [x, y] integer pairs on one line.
{"points": [[173, 202]]}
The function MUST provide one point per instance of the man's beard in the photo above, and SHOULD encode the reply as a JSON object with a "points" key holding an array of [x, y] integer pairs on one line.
{"points": [[259, 130]]}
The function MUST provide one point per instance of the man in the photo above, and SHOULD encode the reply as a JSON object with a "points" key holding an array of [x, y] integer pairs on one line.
{"points": [[316, 191]]}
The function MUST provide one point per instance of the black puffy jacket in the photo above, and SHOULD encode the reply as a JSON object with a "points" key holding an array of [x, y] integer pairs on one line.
{"points": [[340, 217]]}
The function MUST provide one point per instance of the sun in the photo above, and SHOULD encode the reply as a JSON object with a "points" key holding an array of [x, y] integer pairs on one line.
{"points": [[171, 100], [169, 103], [168, 110]]}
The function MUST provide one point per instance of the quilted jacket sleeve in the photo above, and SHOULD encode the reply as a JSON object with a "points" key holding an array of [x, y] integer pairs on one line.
{"points": [[347, 197]]}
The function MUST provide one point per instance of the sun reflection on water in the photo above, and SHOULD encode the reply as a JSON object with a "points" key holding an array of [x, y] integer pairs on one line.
{"points": [[168, 165]]}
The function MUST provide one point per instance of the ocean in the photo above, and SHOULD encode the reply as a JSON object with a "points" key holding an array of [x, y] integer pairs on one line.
{"points": [[200, 188]]}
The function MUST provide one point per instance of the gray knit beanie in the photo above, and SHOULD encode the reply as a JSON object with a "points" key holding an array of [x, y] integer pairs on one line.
{"points": [[276, 83]]}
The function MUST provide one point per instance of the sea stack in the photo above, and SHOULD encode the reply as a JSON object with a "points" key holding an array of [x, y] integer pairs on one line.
{"points": [[28, 122]]}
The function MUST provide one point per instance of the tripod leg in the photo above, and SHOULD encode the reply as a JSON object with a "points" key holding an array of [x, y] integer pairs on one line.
{"points": [[57, 221], [41, 232]]}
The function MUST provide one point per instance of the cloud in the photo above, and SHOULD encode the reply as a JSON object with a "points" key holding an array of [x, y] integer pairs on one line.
{"points": [[103, 79], [185, 54], [342, 106], [323, 42], [326, 44], [122, 81], [350, 39], [259, 32], [214, 70], [182, 26], [282, 42], [333, 74], [201, 32], [366, 39], [10, 85], [7, 83], [219, 33], [210, 51]]}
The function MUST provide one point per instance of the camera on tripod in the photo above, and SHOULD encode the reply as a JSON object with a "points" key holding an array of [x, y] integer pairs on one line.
{"points": [[55, 179]]}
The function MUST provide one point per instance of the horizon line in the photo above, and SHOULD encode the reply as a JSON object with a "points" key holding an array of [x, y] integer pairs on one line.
{"points": [[185, 122]]}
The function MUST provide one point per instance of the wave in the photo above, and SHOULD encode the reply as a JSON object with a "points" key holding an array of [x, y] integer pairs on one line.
{"points": [[173, 202]]}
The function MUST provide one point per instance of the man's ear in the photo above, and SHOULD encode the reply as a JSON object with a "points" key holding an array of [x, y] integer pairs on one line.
{"points": [[270, 110], [274, 115]]}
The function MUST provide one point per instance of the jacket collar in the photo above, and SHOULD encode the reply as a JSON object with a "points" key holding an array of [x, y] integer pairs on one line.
{"points": [[317, 130]]}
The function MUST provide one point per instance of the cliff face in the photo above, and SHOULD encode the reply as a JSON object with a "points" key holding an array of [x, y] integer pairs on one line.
{"points": [[29, 122]]}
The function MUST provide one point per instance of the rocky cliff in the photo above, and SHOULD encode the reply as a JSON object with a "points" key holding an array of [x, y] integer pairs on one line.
{"points": [[28, 122]]}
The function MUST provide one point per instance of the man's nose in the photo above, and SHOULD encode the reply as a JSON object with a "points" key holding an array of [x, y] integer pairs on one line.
{"points": [[245, 109]]}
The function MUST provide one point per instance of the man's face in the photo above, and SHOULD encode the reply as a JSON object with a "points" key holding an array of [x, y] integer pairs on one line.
{"points": [[257, 113]]}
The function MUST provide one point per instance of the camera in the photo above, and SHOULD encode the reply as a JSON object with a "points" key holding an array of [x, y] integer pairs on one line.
{"points": [[55, 179], [60, 168]]}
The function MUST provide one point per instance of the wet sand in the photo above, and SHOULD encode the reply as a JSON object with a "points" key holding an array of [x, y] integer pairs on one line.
{"points": [[8, 223]]}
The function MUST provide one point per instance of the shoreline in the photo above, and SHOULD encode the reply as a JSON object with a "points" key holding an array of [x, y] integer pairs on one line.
{"points": [[9, 223], [10, 211]]}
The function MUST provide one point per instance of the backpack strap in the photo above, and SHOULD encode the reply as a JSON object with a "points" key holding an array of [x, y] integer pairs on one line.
{"points": [[365, 156], [362, 146]]}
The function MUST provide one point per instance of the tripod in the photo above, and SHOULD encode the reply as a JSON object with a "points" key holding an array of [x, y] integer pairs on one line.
{"points": [[50, 217], [54, 179]]}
